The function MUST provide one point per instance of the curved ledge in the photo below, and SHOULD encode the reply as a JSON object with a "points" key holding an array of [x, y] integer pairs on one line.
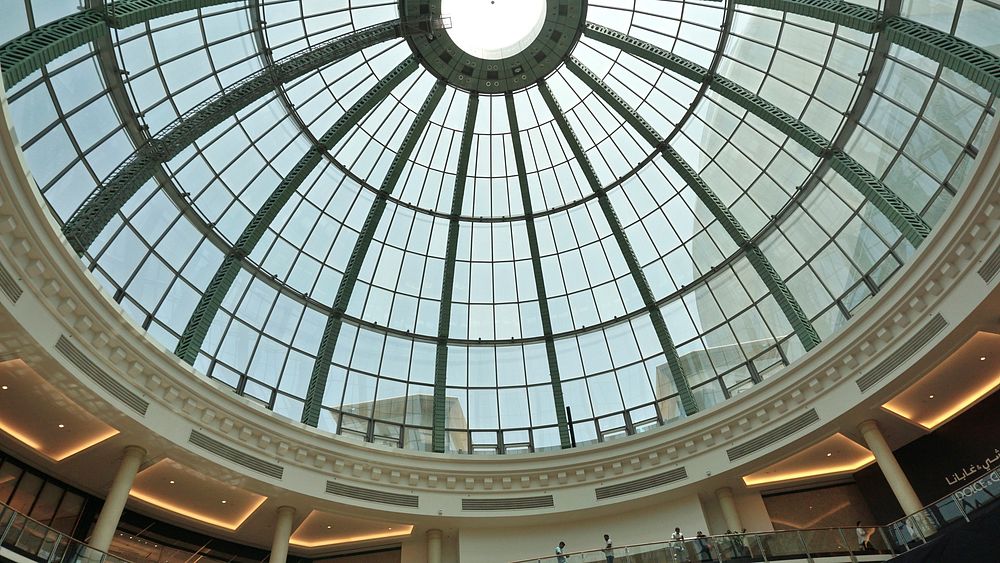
{"points": [[58, 301]]}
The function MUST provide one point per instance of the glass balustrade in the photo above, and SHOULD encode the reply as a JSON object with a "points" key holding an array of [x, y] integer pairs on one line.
{"points": [[35, 540]]}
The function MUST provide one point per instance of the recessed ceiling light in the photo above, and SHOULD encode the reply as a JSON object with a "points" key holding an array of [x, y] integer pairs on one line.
{"points": [[224, 502], [172, 482], [981, 359], [328, 527], [62, 426], [4, 387], [829, 454], [930, 396]]}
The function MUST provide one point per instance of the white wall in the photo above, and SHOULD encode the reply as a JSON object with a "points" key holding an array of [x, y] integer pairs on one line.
{"points": [[753, 512], [493, 544], [415, 548]]}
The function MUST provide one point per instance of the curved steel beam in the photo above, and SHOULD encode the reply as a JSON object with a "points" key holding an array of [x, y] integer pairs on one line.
{"points": [[27, 53], [321, 369], [786, 301], [197, 327], [909, 223], [536, 268], [448, 279], [972, 62], [659, 324], [97, 210]]}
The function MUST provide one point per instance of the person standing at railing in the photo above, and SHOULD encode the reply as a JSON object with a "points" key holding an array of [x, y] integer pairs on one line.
{"points": [[678, 539], [701, 544], [862, 537], [560, 558], [609, 550]]}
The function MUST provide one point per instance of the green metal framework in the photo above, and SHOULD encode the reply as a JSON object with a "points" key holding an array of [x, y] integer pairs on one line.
{"points": [[972, 62], [909, 223], [27, 53], [659, 324], [448, 278], [321, 369], [789, 306], [536, 267], [201, 319], [97, 210]]}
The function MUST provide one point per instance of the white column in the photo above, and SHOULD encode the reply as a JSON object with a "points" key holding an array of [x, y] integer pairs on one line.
{"points": [[282, 533], [114, 503], [433, 546], [729, 512], [893, 473]]}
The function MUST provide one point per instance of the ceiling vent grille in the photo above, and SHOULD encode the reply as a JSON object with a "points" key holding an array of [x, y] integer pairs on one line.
{"points": [[991, 266], [9, 286], [637, 485], [371, 495], [101, 377], [772, 436], [236, 456], [906, 351], [516, 503]]}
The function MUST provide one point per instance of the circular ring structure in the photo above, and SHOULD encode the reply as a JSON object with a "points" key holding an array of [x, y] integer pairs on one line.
{"points": [[440, 55]]}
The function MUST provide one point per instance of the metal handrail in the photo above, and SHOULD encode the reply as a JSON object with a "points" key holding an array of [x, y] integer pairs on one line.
{"points": [[18, 532], [893, 538]]}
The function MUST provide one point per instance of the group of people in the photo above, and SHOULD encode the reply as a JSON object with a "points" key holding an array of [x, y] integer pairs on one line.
{"points": [[609, 550], [703, 548], [699, 543]]}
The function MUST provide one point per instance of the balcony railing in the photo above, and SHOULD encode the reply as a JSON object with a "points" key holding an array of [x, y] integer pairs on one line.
{"points": [[889, 540], [33, 540]]}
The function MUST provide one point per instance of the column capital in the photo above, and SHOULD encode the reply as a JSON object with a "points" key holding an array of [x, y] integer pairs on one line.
{"points": [[869, 425], [135, 451], [285, 509], [724, 492]]}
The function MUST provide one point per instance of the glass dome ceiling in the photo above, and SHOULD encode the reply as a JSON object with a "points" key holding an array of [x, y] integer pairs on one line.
{"points": [[630, 214]]}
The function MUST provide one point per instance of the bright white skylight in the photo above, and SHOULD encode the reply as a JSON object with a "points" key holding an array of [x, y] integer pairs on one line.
{"points": [[494, 29]]}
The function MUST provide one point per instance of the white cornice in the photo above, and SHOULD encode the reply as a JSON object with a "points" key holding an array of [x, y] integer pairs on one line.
{"points": [[61, 297]]}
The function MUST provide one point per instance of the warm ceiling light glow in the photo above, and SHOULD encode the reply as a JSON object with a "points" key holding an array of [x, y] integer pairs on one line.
{"points": [[85, 445], [171, 481], [73, 450], [62, 426], [167, 505], [4, 387], [790, 476], [829, 454], [930, 396], [405, 531], [223, 502], [21, 437], [956, 408], [981, 359]]}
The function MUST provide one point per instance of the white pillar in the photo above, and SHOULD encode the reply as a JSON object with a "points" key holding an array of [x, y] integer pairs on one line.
{"points": [[433, 546], [114, 503], [893, 473], [729, 512], [282, 533]]}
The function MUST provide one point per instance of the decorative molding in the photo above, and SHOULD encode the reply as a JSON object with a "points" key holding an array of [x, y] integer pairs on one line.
{"points": [[63, 292], [101, 377], [990, 266], [774, 435], [371, 495], [637, 485], [905, 352], [516, 503], [9, 286], [232, 454]]}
